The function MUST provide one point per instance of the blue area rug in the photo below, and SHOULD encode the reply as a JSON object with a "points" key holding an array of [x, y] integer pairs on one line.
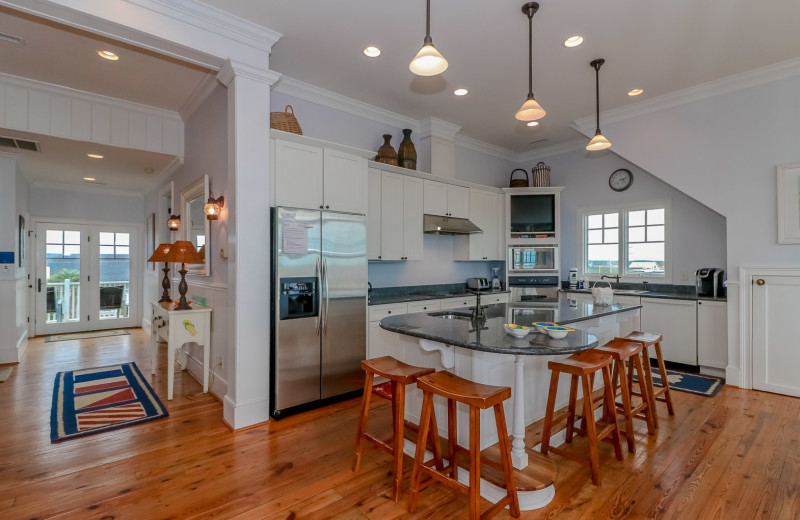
{"points": [[101, 399], [692, 383]]}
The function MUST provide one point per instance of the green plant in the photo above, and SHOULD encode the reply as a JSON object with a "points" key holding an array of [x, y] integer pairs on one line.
{"points": [[73, 275]]}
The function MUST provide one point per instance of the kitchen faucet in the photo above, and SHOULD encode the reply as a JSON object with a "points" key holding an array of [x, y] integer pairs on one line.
{"points": [[478, 312], [609, 276]]}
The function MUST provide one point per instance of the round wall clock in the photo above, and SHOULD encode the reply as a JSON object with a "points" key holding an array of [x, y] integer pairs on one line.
{"points": [[620, 180]]}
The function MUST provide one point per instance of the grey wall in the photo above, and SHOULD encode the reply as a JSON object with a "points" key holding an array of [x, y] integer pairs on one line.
{"points": [[697, 232], [54, 202]]}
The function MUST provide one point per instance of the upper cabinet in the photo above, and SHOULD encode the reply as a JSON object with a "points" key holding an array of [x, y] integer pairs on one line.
{"points": [[310, 175], [447, 200], [396, 204], [484, 212]]}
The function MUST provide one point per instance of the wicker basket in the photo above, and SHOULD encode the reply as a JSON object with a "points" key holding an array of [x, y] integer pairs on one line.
{"points": [[518, 183], [285, 121], [602, 295], [541, 175]]}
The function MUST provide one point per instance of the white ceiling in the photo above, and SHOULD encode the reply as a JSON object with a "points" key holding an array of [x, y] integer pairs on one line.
{"points": [[658, 46]]}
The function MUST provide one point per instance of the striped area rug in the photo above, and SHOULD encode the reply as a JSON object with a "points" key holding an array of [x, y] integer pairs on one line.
{"points": [[101, 399]]}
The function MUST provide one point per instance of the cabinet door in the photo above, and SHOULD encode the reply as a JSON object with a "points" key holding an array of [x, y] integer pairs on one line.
{"points": [[457, 201], [435, 198], [491, 227], [412, 218], [775, 353], [424, 306], [712, 334], [477, 216], [344, 182], [455, 303], [633, 320], [373, 214], [391, 216], [676, 321], [298, 175]]}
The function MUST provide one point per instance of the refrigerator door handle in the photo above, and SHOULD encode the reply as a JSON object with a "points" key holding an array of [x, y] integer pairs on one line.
{"points": [[327, 294], [318, 276]]}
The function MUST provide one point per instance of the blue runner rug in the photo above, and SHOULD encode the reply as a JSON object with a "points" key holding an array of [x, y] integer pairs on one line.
{"points": [[692, 383], [101, 399]]}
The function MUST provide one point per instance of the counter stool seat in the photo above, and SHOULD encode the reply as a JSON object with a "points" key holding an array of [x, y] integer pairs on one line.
{"points": [[399, 374], [623, 350], [478, 397], [651, 339], [583, 365]]}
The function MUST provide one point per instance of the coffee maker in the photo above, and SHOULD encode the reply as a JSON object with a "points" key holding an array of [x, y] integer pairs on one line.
{"points": [[709, 282]]}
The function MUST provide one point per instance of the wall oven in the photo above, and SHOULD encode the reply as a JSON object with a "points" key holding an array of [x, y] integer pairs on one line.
{"points": [[533, 260], [534, 289]]}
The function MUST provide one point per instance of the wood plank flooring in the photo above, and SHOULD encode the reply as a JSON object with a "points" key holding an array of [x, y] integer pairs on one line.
{"points": [[734, 456]]}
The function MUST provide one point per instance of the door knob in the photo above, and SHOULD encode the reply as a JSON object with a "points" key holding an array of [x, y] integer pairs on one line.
{"points": [[760, 281]]}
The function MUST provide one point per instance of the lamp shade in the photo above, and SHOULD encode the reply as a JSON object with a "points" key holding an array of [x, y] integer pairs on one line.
{"points": [[184, 252], [174, 222], [598, 142], [530, 110], [428, 61], [160, 254]]}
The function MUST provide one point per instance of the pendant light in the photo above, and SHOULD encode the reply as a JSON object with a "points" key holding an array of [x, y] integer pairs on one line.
{"points": [[530, 110], [598, 142], [428, 61]]}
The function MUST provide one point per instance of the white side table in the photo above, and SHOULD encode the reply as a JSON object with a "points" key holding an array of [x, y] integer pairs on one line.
{"points": [[178, 328]]}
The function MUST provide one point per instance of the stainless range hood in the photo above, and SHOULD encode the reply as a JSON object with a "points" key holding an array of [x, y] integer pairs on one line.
{"points": [[437, 224]]}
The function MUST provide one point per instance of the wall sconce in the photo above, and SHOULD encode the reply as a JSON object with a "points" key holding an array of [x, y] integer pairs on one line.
{"points": [[174, 222], [213, 207]]}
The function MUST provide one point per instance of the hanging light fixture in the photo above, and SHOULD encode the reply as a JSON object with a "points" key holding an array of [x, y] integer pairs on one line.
{"points": [[530, 110], [598, 142], [213, 207], [428, 61]]}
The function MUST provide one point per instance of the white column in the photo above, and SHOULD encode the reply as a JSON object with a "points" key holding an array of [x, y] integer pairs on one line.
{"points": [[519, 459], [247, 365]]}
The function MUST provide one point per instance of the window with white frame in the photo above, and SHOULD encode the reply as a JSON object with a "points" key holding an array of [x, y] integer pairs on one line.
{"points": [[625, 242]]}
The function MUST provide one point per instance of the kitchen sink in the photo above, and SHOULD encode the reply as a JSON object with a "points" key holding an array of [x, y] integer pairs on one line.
{"points": [[448, 315]]}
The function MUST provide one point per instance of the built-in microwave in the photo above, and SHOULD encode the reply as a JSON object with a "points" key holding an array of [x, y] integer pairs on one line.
{"points": [[533, 259]]}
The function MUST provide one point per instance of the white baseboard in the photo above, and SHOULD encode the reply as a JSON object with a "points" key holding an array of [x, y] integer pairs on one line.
{"points": [[147, 326], [243, 415], [712, 371], [733, 377], [14, 355], [217, 385]]}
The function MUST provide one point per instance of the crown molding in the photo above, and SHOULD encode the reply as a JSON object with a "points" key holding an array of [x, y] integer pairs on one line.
{"points": [[553, 149], [306, 91], [727, 85], [233, 68], [434, 127], [200, 94], [86, 188], [470, 143]]}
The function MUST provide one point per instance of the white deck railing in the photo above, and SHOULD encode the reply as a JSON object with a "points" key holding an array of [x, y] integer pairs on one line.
{"points": [[68, 297]]}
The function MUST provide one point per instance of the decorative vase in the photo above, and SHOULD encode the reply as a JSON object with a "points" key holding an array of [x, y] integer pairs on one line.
{"points": [[406, 153], [386, 153]]}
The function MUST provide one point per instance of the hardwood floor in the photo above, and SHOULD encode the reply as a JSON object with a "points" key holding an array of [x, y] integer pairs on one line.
{"points": [[734, 456]]}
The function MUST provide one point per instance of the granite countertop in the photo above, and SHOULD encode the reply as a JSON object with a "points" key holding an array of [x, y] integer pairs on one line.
{"points": [[667, 295], [460, 331], [396, 297]]}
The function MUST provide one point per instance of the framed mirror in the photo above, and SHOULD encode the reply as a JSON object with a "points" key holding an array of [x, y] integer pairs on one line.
{"points": [[194, 225]]}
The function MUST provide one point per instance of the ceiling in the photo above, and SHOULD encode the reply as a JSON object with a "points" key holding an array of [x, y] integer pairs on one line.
{"points": [[660, 47]]}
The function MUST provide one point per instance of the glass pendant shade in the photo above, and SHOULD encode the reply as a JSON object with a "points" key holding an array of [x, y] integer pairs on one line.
{"points": [[428, 61], [530, 110], [598, 142]]}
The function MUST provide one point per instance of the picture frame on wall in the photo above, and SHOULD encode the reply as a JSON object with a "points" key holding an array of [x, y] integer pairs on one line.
{"points": [[22, 233], [150, 241], [789, 203]]}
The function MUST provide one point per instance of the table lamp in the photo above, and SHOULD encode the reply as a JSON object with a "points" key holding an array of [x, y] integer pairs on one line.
{"points": [[160, 255], [184, 252]]}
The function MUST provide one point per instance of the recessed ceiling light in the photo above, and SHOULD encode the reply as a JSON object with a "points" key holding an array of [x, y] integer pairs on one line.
{"points": [[533, 123], [372, 52], [635, 92], [460, 92], [108, 55], [149, 170], [94, 155], [573, 41], [90, 179]]}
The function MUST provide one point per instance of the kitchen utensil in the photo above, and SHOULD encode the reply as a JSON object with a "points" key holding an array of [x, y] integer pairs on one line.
{"points": [[602, 295]]}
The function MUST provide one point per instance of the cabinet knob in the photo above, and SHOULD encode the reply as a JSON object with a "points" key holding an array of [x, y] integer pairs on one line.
{"points": [[699, 303], [388, 312], [327, 207], [760, 281], [379, 257], [321, 207]]}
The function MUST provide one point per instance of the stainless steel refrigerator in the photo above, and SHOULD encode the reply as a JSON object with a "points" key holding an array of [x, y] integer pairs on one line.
{"points": [[319, 304]]}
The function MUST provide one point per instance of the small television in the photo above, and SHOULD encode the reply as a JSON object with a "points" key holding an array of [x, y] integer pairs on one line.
{"points": [[533, 215]]}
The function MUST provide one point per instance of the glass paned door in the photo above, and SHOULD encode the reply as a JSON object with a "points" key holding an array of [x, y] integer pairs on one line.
{"points": [[61, 275], [115, 279]]}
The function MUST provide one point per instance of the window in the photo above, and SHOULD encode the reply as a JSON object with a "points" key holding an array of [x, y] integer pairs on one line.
{"points": [[629, 242], [115, 245]]}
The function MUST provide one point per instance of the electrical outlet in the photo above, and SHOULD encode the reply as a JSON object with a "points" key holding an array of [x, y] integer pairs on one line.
{"points": [[684, 276]]}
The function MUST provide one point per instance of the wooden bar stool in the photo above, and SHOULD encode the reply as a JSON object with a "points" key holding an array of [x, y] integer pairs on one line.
{"points": [[478, 397], [648, 339], [622, 350], [583, 366], [400, 375]]}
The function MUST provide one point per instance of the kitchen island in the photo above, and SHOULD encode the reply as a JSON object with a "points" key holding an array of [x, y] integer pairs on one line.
{"points": [[481, 351]]}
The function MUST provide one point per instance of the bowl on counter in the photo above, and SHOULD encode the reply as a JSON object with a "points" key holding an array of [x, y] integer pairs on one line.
{"points": [[557, 332], [518, 331], [541, 326]]}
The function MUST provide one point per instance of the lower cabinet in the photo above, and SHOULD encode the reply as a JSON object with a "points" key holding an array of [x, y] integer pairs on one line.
{"points": [[712, 334], [676, 321]]}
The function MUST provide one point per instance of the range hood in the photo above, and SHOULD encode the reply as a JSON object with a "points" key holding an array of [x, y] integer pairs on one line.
{"points": [[437, 224]]}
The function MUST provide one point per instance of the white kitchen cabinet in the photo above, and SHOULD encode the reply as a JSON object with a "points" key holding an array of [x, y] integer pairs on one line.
{"points": [[712, 334], [676, 321], [373, 214], [381, 342], [633, 320], [483, 212], [314, 177], [424, 306], [455, 303], [447, 200], [401, 218], [491, 299]]}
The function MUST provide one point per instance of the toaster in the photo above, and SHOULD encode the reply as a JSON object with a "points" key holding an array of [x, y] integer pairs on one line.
{"points": [[477, 284]]}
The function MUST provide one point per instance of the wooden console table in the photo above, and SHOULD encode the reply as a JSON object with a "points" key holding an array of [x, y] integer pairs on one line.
{"points": [[178, 328]]}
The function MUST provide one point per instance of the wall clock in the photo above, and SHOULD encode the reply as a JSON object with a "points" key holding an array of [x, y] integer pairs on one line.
{"points": [[620, 180]]}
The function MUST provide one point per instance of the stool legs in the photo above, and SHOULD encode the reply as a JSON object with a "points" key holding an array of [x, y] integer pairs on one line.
{"points": [[362, 423], [612, 410], [419, 456], [398, 418], [619, 373], [548, 417], [474, 464], [663, 371], [508, 470]]}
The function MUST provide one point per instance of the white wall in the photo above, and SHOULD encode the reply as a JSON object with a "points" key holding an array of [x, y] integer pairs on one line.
{"points": [[697, 232], [723, 152], [50, 201], [482, 168]]}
